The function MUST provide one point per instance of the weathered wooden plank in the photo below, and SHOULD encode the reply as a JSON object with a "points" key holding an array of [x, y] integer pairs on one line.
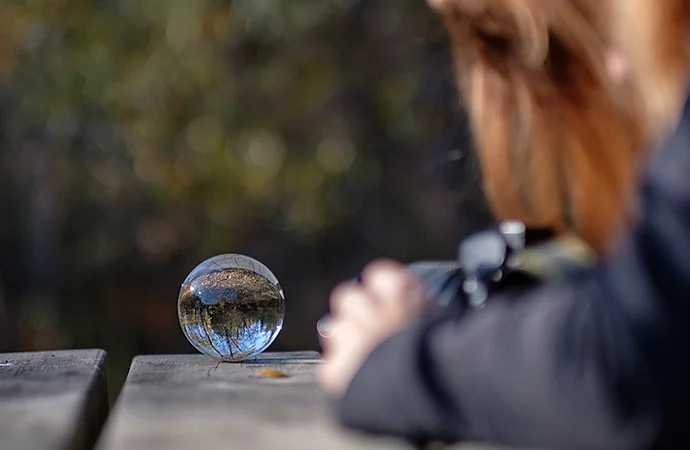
{"points": [[52, 400], [191, 401]]}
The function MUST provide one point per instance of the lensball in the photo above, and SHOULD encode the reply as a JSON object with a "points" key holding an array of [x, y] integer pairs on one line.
{"points": [[231, 307]]}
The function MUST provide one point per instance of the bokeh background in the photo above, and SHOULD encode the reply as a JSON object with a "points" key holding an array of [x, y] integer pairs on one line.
{"points": [[138, 138]]}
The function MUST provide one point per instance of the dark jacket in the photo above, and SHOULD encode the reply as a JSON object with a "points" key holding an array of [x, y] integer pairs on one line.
{"points": [[599, 361]]}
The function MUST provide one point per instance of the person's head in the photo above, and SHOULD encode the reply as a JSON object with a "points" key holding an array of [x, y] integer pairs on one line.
{"points": [[558, 126]]}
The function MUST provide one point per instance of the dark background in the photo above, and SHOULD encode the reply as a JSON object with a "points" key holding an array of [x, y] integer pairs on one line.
{"points": [[139, 138]]}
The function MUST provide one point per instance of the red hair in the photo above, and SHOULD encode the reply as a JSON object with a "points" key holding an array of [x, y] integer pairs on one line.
{"points": [[654, 36], [558, 148]]}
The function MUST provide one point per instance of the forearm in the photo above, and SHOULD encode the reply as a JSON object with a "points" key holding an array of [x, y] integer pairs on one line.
{"points": [[534, 371]]}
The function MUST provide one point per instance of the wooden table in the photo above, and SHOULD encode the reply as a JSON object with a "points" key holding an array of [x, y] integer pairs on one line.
{"points": [[57, 400], [52, 400]]}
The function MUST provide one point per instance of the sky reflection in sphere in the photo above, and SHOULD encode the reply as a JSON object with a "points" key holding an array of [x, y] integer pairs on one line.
{"points": [[231, 307]]}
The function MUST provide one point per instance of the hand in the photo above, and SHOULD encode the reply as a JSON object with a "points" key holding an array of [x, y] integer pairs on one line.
{"points": [[365, 314]]}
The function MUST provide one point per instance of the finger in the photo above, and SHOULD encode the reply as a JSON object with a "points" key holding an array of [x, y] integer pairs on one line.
{"points": [[344, 355], [349, 303], [325, 327], [393, 285], [325, 330], [338, 298], [350, 298], [332, 333], [346, 334], [361, 315]]}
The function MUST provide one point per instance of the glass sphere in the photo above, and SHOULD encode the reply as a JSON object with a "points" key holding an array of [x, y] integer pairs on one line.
{"points": [[231, 307]]}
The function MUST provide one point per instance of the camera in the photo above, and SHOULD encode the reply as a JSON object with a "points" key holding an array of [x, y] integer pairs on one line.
{"points": [[493, 260], [499, 259]]}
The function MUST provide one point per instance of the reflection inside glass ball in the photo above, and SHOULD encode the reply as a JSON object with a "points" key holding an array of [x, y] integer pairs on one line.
{"points": [[231, 307]]}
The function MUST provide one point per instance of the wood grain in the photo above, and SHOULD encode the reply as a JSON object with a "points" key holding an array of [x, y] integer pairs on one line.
{"points": [[180, 402], [52, 400], [193, 402]]}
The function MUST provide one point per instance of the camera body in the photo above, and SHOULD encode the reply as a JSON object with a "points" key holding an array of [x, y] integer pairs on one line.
{"points": [[499, 259], [493, 260]]}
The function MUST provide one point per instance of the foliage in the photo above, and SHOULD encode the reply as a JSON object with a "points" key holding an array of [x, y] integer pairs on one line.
{"points": [[140, 137]]}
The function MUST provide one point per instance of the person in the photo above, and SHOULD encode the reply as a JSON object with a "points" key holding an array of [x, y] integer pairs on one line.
{"points": [[576, 105]]}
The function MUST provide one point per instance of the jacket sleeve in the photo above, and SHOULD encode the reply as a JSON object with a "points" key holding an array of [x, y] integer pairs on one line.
{"points": [[599, 361]]}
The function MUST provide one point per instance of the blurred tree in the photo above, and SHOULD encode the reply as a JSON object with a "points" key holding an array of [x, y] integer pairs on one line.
{"points": [[139, 138]]}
